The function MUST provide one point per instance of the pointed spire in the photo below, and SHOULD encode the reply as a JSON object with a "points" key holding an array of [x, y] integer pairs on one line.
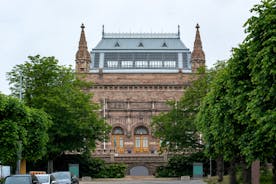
{"points": [[83, 58], [198, 56], [82, 42]]}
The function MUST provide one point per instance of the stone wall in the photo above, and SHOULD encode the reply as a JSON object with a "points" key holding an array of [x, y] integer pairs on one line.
{"points": [[129, 101]]}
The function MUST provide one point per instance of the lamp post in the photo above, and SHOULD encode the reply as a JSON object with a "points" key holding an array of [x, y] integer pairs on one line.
{"points": [[20, 88], [19, 152], [210, 166], [104, 121], [18, 157]]}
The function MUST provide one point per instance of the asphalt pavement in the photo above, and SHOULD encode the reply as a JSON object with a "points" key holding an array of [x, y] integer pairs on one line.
{"points": [[146, 180]]}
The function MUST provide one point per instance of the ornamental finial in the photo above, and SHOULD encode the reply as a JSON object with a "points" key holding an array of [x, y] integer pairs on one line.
{"points": [[178, 33], [82, 26], [102, 31], [197, 26]]}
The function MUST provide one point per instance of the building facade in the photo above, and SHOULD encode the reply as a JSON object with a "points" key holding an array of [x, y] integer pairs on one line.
{"points": [[134, 74]]}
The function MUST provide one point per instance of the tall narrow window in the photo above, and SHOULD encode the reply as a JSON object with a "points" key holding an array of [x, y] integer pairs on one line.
{"points": [[127, 64], [141, 64], [112, 64], [117, 139], [141, 135], [169, 64]]}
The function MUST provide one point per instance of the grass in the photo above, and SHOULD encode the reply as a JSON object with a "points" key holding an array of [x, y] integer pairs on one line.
{"points": [[214, 180]]}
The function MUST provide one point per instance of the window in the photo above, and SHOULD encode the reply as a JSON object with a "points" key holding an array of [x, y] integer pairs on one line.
{"points": [[140, 44], [141, 134], [137, 142], [117, 44], [117, 139], [141, 130], [141, 64], [169, 64], [112, 64], [155, 64], [145, 142], [126, 64], [121, 142], [164, 45], [118, 131]]}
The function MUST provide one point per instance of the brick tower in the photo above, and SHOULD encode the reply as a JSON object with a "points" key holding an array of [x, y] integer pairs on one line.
{"points": [[198, 56], [83, 58]]}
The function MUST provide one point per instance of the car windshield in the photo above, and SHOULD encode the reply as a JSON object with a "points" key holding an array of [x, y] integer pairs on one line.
{"points": [[43, 178], [62, 175], [18, 180]]}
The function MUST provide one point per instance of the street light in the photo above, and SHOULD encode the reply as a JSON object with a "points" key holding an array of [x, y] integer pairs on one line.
{"points": [[20, 87], [19, 152]]}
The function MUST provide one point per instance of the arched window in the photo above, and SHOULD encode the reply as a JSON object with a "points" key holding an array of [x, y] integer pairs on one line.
{"points": [[117, 139], [118, 131], [141, 135], [141, 130]]}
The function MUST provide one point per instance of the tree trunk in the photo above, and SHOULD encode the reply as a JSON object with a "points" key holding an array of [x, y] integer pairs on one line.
{"points": [[274, 170], [232, 172], [220, 168], [246, 173]]}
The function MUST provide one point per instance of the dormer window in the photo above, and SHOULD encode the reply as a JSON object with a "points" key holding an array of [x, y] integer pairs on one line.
{"points": [[117, 44], [164, 45], [140, 44]]}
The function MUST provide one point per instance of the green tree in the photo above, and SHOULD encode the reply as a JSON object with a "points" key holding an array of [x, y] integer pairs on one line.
{"points": [[241, 101], [37, 124], [214, 121], [23, 129], [176, 128], [260, 42], [56, 90], [12, 116]]}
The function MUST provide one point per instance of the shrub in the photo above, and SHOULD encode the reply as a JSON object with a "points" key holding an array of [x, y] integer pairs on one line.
{"points": [[182, 165], [112, 171]]}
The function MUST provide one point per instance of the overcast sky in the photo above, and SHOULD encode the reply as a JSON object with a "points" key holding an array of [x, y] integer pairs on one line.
{"points": [[52, 27]]}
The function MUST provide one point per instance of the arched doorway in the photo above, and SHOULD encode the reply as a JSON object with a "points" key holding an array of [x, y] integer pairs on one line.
{"points": [[141, 139], [139, 171], [117, 139]]}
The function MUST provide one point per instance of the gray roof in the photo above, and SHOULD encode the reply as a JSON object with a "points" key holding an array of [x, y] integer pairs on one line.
{"points": [[140, 41]]}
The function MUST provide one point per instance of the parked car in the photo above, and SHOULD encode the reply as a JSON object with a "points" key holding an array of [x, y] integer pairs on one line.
{"points": [[65, 177], [21, 179], [46, 178]]}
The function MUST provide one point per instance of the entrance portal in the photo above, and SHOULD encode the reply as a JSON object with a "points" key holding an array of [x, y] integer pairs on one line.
{"points": [[139, 171]]}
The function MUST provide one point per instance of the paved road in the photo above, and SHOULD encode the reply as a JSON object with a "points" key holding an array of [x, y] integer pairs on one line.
{"points": [[145, 182]]}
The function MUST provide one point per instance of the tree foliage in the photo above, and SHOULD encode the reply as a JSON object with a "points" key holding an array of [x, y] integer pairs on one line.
{"points": [[56, 90], [176, 128], [23, 131], [237, 116], [261, 108]]}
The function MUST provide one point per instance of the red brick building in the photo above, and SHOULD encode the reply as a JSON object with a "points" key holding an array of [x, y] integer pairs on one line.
{"points": [[134, 75]]}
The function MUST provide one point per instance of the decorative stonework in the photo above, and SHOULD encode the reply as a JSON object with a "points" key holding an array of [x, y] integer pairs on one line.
{"points": [[198, 56], [130, 99], [83, 58]]}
